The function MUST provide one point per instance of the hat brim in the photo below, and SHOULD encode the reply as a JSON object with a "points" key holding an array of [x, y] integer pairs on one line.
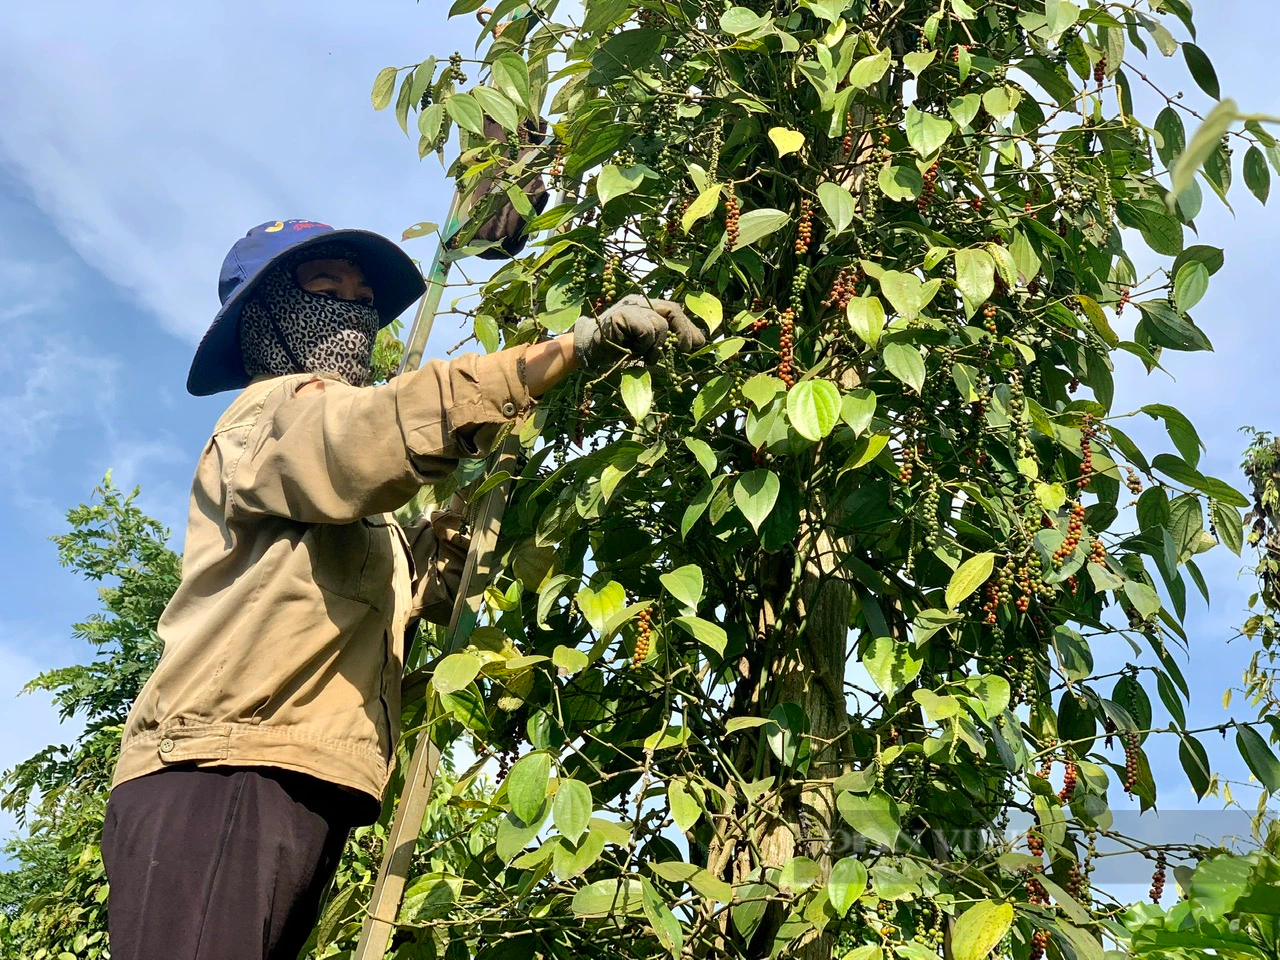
{"points": [[219, 365]]}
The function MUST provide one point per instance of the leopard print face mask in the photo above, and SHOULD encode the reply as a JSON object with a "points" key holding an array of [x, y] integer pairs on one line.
{"points": [[284, 329]]}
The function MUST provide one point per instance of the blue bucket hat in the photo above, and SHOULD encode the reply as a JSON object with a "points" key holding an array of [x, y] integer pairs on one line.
{"points": [[218, 363]]}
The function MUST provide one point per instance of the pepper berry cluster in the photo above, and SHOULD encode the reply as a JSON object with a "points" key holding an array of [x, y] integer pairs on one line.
{"points": [[1075, 529], [786, 348], [1098, 554], [930, 188], [847, 145], [506, 758], [1133, 481], [1131, 747], [1026, 587], [1100, 70], [990, 312], [991, 597], [454, 71], [1037, 896], [612, 267], [843, 289], [1126, 297], [1075, 881], [1158, 877], [1088, 433], [732, 215], [804, 230], [1069, 780], [644, 631]]}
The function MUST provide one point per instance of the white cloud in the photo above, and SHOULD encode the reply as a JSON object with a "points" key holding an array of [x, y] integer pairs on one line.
{"points": [[154, 134], [59, 395]]}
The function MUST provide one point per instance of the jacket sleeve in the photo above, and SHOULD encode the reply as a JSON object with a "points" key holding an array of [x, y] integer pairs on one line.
{"points": [[439, 554], [337, 455]]}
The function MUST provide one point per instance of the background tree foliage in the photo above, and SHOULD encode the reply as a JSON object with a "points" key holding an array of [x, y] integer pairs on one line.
{"points": [[53, 896], [53, 900], [791, 630]]}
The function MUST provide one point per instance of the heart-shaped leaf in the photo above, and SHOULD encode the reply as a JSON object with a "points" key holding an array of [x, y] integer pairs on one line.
{"points": [[848, 881], [598, 606], [685, 584], [614, 182], [786, 141], [637, 393], [976, 278], [701, 207], [707, 306], [925, 132], [857, 408], [839, 205], [755, 493], [608, 898], [571, 809], [757, 224], [569, 859], [527, 785], [685, 809], [901, 182], [870, 70], [455, 671], [866, 317], [703, 453], [710, 635], [813, 408], [891, 664], [903, 360], [907, 293]]}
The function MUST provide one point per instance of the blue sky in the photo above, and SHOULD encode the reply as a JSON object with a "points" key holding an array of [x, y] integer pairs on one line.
{"points": [[138, 141]]}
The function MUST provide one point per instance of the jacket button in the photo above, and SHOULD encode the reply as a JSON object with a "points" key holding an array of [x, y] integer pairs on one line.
{"points": [[166, 745], [508, 410]]}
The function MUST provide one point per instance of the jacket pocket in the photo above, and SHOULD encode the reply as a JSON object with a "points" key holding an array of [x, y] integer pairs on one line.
{"points": [[344, 559]]}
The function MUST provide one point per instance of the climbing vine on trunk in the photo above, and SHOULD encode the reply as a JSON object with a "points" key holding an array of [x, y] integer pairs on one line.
{"points": [[789, 630]]}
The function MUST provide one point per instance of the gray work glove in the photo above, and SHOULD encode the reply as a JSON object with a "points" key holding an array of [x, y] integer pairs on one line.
{"points": [[635, 326]]}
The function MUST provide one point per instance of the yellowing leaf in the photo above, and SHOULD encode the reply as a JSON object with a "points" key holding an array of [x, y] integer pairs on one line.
{"points": [[970, 575], [383, 85], [701, 207], [865, 450], [980, 930], [870, 70], [598, 606], [1051, 496], [706, 306], [786, 141]]}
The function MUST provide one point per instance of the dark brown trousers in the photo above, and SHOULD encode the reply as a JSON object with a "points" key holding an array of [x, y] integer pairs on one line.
{"points": [[220, 863]]}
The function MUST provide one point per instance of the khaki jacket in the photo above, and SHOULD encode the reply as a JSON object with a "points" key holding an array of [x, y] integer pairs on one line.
{"points": [[284, 643]]}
